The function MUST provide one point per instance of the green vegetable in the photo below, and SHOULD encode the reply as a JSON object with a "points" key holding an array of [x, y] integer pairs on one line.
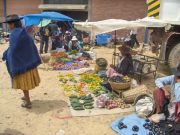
{"points": [[78, 108], [74, 100], [88, 107], [82, 97], [73, 97], [76, 105], [88, 98], [88, 104], [88, 101]]}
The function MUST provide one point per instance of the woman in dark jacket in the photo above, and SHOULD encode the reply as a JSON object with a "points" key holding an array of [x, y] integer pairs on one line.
{"points": [[22, 59], [125, 65]]}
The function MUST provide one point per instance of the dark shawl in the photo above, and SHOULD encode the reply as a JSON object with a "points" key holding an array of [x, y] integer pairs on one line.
{"points": [[126, 66], [22, 54]]}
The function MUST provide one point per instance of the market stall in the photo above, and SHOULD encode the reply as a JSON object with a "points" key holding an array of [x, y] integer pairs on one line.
{"points": [[87, 95], [35, 19], [73, 60]]}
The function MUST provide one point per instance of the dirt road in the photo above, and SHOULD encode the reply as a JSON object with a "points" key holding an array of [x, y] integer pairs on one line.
{"points": [[50, 111]]}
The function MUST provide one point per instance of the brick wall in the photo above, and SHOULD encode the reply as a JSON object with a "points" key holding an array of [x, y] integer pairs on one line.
{"points": [[118, 9], [22, 7], [1, 10]]}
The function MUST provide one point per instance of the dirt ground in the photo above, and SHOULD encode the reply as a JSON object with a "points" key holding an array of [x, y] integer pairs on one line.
{"points": [[50, 111]]}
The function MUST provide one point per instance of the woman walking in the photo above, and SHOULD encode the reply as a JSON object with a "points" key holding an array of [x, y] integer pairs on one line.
{"points": [[21, 59]]}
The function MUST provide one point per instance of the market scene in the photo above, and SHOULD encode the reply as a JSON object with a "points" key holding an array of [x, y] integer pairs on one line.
{"points": [[90, 67]]}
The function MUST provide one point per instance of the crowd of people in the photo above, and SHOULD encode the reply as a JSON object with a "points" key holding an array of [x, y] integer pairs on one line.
{"points": [[53, 34]]}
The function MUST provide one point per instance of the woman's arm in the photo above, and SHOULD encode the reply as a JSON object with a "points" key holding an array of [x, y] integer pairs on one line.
{"points": [[162, 82]]}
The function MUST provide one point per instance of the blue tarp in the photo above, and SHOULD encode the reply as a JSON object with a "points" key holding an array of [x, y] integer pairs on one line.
{"points": [[34, 19], [103, 39], [130, 121]]}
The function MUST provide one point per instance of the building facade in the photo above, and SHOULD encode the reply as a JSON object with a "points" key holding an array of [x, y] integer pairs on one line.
{"points": [[93, 10], [117, 9], [77, 9]]}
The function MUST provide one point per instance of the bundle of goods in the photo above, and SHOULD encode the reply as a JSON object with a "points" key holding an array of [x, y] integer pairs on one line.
{"points": [[120, 82], [82, 102], [144, 105], [118, 103], [101, 64], [104, 101], [129, 96]]}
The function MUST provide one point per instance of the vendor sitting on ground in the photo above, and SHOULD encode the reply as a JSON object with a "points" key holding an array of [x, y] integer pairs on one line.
{"points": [[74, 44], [163, 97], [125, 65]]}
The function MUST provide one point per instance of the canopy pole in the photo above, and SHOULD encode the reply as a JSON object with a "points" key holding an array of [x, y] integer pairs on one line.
{"points": [[41, 54], [114, 54]]}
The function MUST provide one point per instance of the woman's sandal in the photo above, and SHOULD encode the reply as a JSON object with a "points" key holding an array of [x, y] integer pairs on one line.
{"points": [[23, 98], [26, 105]]}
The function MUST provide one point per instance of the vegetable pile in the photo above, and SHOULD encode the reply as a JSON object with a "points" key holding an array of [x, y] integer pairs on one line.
{"points": [[120, 79], [68, 61], [86, 92], [82, 102]]}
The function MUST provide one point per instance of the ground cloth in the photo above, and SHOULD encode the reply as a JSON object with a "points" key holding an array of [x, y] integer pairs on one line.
{"points": [[130, 121]]}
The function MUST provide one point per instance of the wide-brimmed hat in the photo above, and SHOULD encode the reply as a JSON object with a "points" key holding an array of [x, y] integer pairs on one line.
{"points": [[74, 38], [12, 18], [124, 48], [176, 71]]}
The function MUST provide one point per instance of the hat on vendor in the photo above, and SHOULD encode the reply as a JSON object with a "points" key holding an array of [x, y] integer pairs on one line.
{"points": [[12, 18], [74, 38], [124, 48], [176, 71]]}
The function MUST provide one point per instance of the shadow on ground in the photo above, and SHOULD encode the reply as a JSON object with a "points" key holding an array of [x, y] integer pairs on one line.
{"points": [[11, 132], [43, 106]]}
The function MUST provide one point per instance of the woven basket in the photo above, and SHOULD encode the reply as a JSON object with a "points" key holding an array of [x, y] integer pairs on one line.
{"points": [[130, 95], [142, 96], [120, 86]]}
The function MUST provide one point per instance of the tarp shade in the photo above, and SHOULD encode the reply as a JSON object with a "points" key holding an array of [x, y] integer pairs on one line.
{"points": [[110, 25], [34, 19]]}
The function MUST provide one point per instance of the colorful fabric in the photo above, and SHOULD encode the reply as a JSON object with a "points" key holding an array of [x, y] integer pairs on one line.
{"points": [[177, 112], [22, 54], [160, 101], [159, 97], [112, 72], [175, 87], [26, 81]]}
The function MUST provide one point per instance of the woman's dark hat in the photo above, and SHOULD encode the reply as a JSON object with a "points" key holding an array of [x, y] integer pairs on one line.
{"points": [[124, 48], [12, 18], [176, 71]]}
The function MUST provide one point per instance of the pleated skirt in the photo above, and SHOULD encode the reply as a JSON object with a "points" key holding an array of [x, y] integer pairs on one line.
{"points": [[26, 81]]}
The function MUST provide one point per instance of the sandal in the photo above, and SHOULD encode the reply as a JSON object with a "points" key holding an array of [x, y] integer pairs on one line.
{"points": [[23, 98], [26, 105]]}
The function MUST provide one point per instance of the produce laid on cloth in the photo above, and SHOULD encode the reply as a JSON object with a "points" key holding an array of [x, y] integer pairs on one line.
{"points": [[82, 102], [134, 125], [86, 92], [69, 61], [104, 101]]}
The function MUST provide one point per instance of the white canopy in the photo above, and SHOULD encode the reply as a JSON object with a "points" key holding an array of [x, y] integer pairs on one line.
{"points": [[110, 25]]}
